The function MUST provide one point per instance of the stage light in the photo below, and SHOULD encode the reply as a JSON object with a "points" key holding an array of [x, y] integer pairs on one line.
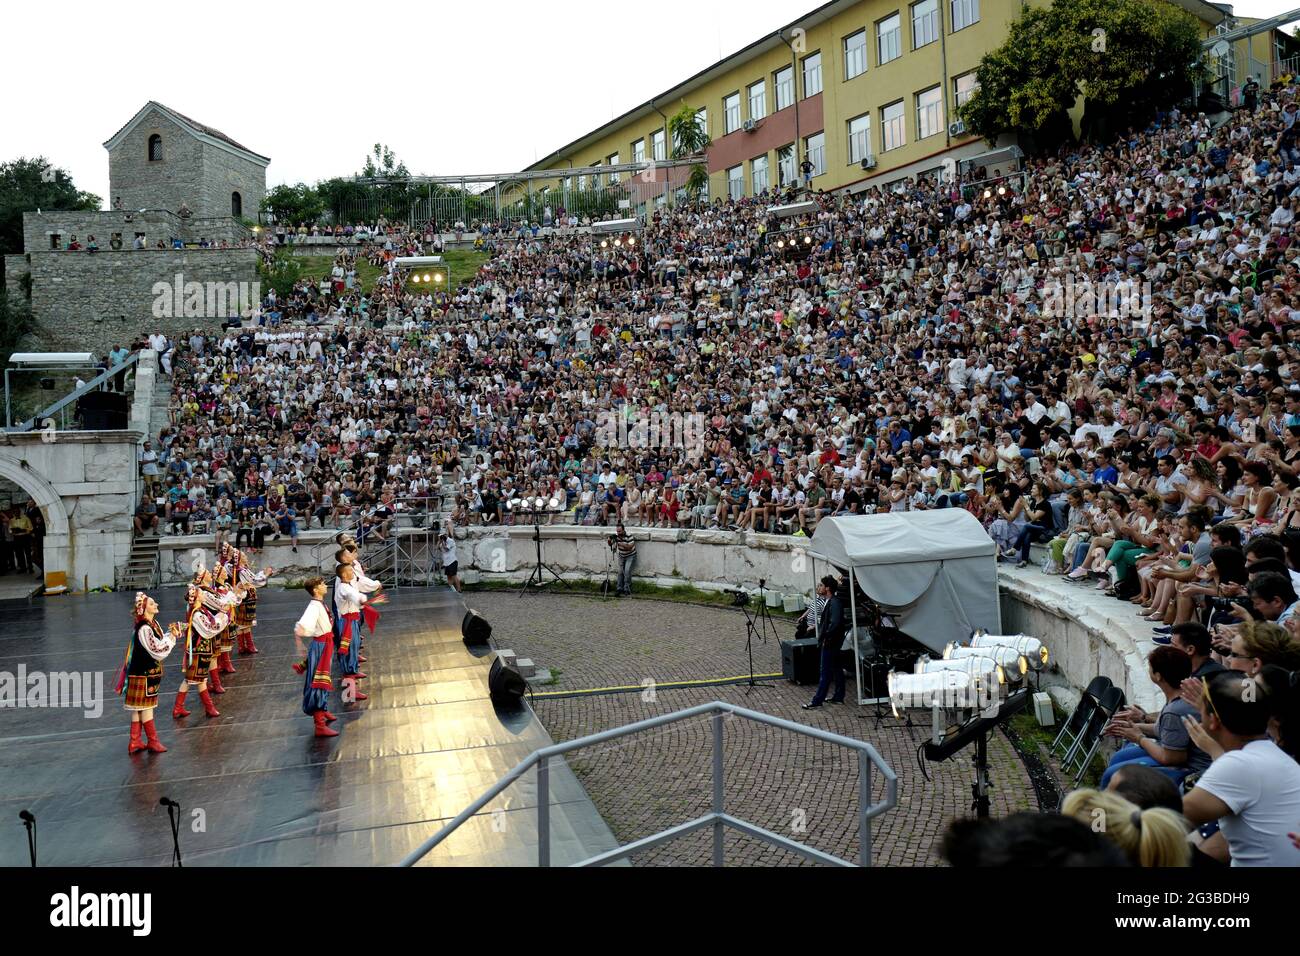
{"points": [[780, 244], [944, 689], [438, 277], [984, 669], [988, 194], [1002, 190], [426, 277], [554, 504], [1031, 648], [604, 243], [618, 243], [415, 279], [1013, 663], [807, 240], [540, 504]]}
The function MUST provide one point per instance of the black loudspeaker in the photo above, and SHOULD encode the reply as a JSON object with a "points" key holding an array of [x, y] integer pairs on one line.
{"points": [[801, 661], [506, 686], [103, 411], [475, 629]]}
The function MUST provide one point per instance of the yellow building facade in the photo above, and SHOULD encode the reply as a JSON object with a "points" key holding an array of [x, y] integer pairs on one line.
{"points": [[866, 90]]}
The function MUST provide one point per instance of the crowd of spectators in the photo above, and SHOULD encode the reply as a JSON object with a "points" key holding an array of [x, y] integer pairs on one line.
{"points": [[1100, 354]]}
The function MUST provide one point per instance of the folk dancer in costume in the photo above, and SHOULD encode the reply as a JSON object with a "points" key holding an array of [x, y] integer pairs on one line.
{"points": [[249, 580], [207, 617], [142, 672], [317, 625], [229, 597], [347, 554], [350, 604]]}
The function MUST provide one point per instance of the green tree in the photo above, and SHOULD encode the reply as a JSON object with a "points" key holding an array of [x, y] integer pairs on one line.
{"points": [[1127, 58], [383, 162], [294, 204], [30, 184], [690, 139], [281, 272]]}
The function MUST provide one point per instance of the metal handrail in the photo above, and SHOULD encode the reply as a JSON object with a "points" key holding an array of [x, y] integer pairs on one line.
{"points": [[717, 818], [72, 396]]}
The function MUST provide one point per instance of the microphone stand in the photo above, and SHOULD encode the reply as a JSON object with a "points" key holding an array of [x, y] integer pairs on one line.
{"points": [[174, 818], [29, 822]]}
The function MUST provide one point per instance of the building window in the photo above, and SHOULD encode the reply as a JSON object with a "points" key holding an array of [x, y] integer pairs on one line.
{"points": [[859, 138], [758, 173], [758, 100], [736, 182], [964, 87], [815, 151], [731, 113], [658, 146], [236, 205], [702, 121], [785, 166], [783, 83], [612, 160], [964, 13], [638, 151], [889, 44], [925, 23], [155, 148], [56, 241], [892, 126], [855, 55], [812, 74], [929, 112]]}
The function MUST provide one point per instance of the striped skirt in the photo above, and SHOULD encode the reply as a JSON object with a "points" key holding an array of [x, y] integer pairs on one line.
{"points": [[142, 689]]}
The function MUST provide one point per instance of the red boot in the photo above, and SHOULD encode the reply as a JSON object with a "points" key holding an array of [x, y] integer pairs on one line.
{"points": [[209, 708], [225, 665], [321, 729], [361, 658], [155, 745], [135, 746], [178, 710], [357, 676], [214, 681], [250, 647], [329, 718]]}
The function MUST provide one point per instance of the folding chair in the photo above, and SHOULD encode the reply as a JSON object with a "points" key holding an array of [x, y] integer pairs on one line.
{"points": [[1111, 701], [1073, 727]]}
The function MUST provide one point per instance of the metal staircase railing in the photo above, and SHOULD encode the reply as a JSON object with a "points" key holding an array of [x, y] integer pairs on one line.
{"points": [[718, 819]]}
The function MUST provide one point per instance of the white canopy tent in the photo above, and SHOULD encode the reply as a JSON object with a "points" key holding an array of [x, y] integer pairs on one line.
{"points": [[934, 572]]}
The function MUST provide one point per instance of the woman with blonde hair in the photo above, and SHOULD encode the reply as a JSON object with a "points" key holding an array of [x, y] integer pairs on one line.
{"points": [[1149, 838]]}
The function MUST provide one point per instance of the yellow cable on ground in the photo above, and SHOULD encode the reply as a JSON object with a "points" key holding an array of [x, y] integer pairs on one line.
{"points": [[666, 685]]}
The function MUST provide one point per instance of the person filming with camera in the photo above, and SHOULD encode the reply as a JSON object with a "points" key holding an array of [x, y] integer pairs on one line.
{"points": [[830, 636]]}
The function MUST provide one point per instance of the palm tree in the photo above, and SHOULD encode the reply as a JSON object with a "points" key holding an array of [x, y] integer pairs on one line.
{"points": [[690, 139]]}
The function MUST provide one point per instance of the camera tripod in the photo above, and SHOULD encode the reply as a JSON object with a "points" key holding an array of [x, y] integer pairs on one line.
{"points": [[609, 564]]}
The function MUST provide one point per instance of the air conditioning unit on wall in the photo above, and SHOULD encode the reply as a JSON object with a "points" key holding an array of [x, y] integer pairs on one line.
{"points": [[869, 161], [750, 126], [957, 128]]}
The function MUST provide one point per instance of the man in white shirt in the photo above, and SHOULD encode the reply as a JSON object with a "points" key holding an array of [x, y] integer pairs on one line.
{"points": [[1253, 787]]}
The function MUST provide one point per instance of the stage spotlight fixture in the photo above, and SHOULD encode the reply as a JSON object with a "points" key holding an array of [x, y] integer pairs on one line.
{"points": [[1031, 648], [943, 689], [438, 277], [1002, 190], [984, 669], [604, 243], [988, 194], [426, 277], [780, 243], [1012, 662], [631, 240], [807, 240], [554, 504], [415, 278]]}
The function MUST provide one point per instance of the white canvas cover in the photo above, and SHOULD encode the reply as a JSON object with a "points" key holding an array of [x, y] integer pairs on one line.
{"points": [[935, 571]]}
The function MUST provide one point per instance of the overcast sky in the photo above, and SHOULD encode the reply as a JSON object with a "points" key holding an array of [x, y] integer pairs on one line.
{"points": [[490, 86]]}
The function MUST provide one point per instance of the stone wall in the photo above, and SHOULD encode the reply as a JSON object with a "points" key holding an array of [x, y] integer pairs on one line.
{"points": [[40, 228], [92, 303], [225, 172], [85, 484], [201, 175], [167, 183]]}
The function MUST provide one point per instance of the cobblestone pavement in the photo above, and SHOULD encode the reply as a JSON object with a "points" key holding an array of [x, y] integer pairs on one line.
{"points": [[790, 784]]}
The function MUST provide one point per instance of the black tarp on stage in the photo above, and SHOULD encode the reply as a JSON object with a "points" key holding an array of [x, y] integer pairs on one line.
{"points": [[421, 749]]}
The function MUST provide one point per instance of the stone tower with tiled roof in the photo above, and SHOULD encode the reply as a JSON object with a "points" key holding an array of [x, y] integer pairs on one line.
{"points": [[163, 160]]}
